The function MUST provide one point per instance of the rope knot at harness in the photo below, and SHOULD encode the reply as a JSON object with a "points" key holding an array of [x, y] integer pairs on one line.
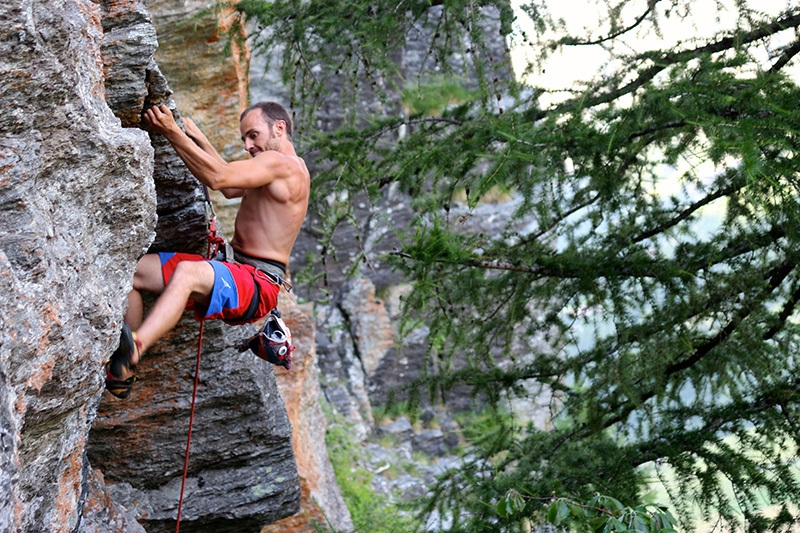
{"points": [[215, 240]]}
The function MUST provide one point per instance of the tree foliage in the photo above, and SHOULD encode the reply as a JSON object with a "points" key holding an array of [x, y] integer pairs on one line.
{"points": [[653, 290]]}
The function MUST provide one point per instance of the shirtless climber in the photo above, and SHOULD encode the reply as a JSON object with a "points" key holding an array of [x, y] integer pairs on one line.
{"points": [[274, 186]]}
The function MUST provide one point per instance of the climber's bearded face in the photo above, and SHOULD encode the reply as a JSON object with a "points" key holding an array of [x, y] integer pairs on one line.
{"points": [[257, 134]]}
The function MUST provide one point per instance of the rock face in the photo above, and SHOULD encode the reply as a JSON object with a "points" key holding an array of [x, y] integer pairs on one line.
{"points": [[210, 84], [133, 82], [79, 204], [78, 207], [84, 193], [208, 87], [242, 472]]}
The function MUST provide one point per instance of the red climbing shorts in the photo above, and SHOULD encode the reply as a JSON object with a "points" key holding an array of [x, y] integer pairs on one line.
{"points": [[241, 294]]}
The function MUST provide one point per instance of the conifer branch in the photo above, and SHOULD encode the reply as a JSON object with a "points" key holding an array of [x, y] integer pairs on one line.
{"points": [[485, 264], [790, 419], [571, 41], [663, 60], [414, 122], [658, 127], [777, 275], [619, 268], [786, 56], [717, 419], [787, 311], [560, 218], [686, 213]]}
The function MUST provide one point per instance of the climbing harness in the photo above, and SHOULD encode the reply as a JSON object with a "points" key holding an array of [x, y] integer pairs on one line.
{"points": [[270, 271], [274, 278]]}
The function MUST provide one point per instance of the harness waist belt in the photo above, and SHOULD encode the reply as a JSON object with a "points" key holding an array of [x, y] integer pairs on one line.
{"points": [[265, 264], [274, 270]]}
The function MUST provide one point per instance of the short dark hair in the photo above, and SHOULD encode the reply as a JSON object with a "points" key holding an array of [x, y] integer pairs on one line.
{"points": [[272, 112]]}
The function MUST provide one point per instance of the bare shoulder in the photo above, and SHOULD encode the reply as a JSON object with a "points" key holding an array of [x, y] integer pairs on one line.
{"points": [[289, 179], [302, 168], [283, 165]]}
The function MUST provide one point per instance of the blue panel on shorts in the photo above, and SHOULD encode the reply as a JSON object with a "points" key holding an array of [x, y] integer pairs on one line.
{"points": [[224, 295], [165, 256]]}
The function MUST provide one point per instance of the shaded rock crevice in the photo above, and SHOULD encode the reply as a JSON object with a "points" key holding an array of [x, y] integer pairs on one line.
{"points": [[242, 473]]}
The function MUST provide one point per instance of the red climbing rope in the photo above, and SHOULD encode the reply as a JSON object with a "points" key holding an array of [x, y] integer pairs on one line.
{"points": [[191, 423], [214, 242]]}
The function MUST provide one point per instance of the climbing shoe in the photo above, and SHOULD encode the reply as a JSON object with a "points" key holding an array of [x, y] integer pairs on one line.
{"points": [[121, 362], [119, 388]]}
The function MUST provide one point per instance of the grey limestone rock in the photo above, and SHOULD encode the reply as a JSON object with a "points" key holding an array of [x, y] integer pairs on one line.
{"points": [[242, 473], [77, 208]]}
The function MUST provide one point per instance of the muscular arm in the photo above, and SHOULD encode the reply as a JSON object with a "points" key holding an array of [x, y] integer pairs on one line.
{"points": [[199, 138], [210, 168], [202, 141]]}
